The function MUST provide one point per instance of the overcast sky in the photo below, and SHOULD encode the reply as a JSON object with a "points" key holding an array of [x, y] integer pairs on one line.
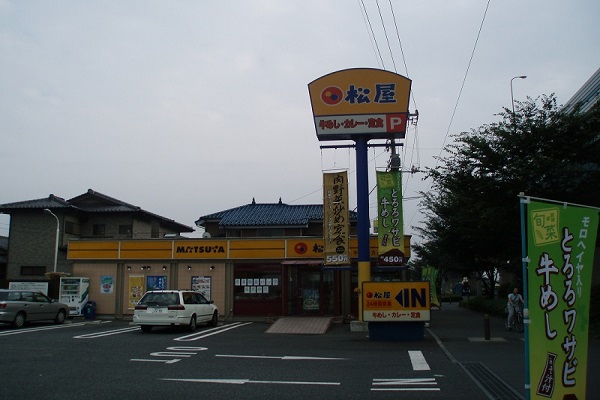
{"points": [[186, 108]]}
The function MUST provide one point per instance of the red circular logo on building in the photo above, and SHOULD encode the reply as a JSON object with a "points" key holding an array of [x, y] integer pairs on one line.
{"points": [[369, 295], [332, 95], [300, 248]]}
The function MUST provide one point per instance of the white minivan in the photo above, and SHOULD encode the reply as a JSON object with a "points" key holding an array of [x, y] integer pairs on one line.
{"points": [[174, 308]]}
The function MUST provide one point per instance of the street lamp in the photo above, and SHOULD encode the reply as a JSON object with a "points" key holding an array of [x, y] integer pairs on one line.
{"points": [[511, 94], [47, 211]]}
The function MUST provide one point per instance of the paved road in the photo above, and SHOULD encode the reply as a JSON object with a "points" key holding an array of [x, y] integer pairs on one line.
{"points": [[232, 361], [239, 360], [495, 363]]}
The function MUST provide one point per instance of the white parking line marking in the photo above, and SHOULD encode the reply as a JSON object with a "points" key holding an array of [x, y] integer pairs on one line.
{"points": [[173, 361], [171, 354], [244, 381], [418, 361], [400, 381], [194, 336], [405, 385], [311, 358], [210, 332], [96, 335], [406, 390], [43, 328], [280, 357]]}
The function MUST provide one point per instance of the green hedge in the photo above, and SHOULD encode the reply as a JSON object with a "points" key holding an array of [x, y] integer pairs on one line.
{"points": [[485, 305], [496, 307], [450, 298]]}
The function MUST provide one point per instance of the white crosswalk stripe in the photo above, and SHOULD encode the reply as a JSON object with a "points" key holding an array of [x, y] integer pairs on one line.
{"points": [[418, 361]]}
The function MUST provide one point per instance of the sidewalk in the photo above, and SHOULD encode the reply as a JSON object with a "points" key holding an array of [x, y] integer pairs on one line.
{"points": [[454, 322], [497, 361]]}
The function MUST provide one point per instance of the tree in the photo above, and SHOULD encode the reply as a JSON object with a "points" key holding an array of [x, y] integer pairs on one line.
{"points": [[472, 222]]}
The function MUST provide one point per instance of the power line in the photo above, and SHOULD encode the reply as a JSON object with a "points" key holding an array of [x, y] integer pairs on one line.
{"points": [[402, 52], [366, 14], [466, 74], [386, 36], [373, 38], [414, 148], [460, 91]]}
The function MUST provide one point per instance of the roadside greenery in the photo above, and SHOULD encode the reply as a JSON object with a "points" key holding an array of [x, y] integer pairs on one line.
{"points": [[496, 307], [472, 224]]}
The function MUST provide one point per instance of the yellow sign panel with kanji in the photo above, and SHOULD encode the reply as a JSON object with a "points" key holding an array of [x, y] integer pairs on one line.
{"points": [[545, 226], [396, 301], [360, 101]]}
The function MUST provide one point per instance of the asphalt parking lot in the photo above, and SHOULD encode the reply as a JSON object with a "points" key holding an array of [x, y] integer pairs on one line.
{"points": [[239, 359]]}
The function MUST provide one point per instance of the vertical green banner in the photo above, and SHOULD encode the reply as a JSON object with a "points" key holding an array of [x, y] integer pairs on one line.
{"points": [[390, 233], [561, 241], [431, 274]]}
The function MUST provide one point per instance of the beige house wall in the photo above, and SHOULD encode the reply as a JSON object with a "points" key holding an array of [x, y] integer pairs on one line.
{"points": [[105, 302], [179, 276]]}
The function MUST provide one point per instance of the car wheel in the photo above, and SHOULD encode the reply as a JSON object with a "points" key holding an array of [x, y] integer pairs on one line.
{"points": [[192, 325], [19, 320], [215, 319], [146, 328], [60, 317]]}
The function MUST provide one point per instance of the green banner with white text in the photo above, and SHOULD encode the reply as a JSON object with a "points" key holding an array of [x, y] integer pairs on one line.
{"points": [[431, 274], [390, 232], [561, 240]]}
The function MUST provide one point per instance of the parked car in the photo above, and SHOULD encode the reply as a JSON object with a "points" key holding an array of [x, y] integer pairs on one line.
{"points": [[174, 308], [20, 306]]}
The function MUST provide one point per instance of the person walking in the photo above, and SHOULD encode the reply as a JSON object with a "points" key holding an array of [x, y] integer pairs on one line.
{"points": [[466, 289], [513, 305]]}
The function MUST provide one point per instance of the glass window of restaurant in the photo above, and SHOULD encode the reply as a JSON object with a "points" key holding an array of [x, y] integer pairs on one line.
{"points": [[257, 289]]}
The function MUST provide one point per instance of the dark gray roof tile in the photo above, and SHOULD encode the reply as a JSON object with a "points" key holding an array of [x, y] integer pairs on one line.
{"points": [[89, 202], [267, 214], [51, 201]]}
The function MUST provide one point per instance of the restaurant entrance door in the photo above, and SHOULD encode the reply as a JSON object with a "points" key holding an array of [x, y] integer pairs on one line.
{"points": [[312, 291]]}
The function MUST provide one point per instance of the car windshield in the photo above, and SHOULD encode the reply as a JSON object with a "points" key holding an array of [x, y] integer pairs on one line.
{"points": [[160, 299]]}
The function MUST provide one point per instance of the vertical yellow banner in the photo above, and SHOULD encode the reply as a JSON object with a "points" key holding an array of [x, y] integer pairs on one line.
{"points": [[136, 290], [336, 219]]}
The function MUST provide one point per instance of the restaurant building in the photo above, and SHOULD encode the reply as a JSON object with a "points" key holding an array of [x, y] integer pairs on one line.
{"points": [[254, 260]]}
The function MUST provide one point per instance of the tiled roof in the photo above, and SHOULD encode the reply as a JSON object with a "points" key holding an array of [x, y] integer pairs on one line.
{"points": [[267, 214], [93, 201], [89, 202], [51, 201]]}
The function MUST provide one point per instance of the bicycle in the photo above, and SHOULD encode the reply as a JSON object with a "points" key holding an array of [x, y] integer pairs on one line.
{"points": [[516, 322]]}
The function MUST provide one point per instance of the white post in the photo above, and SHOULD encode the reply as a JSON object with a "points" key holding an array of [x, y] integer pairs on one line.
{"points": [[46, 210]]}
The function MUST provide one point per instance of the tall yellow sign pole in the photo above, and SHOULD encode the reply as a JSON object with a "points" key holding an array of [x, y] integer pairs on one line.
{"points": [[361, 104]]}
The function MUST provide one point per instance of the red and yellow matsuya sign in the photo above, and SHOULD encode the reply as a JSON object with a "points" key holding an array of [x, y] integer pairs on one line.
{"points": [[360, 101]]}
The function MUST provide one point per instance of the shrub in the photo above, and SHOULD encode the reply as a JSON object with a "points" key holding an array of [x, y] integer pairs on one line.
{"points": [[496, 307], [450, 298], [486, 305]]}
